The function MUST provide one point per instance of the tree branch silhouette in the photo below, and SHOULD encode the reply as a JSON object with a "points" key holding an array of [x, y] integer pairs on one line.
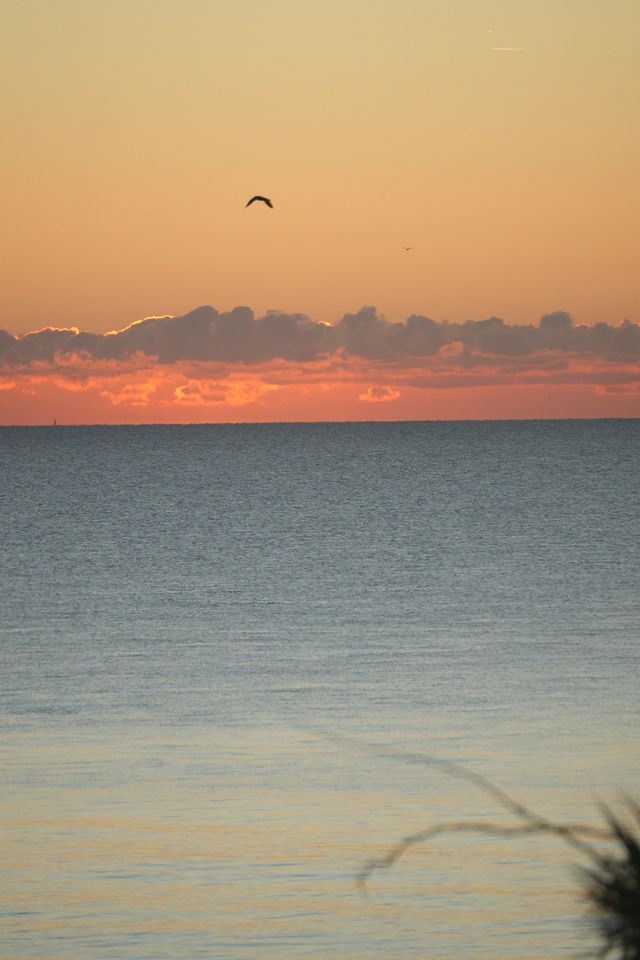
{"points": [[612, 882]]}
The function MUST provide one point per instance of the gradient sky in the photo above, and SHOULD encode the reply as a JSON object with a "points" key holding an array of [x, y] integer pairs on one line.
{"points": [[499, 139]]}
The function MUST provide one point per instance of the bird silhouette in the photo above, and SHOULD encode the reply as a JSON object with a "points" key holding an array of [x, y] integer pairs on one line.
{"points": [[264, 200]]}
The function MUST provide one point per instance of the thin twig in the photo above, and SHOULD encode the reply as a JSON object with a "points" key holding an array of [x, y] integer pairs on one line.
{"points": [[531, 822]]}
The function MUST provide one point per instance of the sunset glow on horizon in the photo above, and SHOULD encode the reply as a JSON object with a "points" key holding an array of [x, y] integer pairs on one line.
{"points": [[458, 162], [209, 366]]}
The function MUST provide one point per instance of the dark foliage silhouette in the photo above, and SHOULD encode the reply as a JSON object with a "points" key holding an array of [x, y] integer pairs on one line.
{"points": [[613, 888]]}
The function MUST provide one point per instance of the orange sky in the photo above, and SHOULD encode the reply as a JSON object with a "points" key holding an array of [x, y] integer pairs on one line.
{"points": [[499, 141]]}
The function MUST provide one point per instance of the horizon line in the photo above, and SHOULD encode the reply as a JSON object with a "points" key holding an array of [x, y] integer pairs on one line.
{"points": [[264, 423]]}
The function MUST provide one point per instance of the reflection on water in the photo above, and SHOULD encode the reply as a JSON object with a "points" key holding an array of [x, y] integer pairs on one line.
{"points": [[138, 846]]}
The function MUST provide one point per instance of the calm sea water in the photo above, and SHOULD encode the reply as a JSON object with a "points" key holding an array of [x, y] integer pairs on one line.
{"points": [[193, 616]]}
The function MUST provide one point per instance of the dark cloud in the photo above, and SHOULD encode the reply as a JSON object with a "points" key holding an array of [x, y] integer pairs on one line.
{"points": [[202, 335], [367, 334], [238, 337]]}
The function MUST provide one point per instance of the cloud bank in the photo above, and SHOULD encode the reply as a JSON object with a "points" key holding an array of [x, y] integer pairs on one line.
{"points": [[238, 337], [236, 358]]}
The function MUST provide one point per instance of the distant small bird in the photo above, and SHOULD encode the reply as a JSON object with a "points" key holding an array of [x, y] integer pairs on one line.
{"points": [[264, 200], [407, 248]]}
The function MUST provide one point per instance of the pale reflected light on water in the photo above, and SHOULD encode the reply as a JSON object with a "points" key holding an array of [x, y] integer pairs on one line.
{"points": [[138, 846]]}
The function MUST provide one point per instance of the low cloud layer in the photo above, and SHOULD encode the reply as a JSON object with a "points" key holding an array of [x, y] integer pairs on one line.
{"points": [[238, 337], [237, 358]]}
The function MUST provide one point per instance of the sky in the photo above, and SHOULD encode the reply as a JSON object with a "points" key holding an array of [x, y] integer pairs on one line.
{"points": [[459, 177]]}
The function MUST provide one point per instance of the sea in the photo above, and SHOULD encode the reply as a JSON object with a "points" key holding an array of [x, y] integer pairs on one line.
{"points": [[274, 691]]}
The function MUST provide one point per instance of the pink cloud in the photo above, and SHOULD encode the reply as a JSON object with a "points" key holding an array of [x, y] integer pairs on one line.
{"points": [[233, 392], [379, 394]]}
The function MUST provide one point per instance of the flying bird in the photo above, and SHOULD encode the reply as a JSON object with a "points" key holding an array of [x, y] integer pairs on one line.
{"points": [[264, 200]]}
